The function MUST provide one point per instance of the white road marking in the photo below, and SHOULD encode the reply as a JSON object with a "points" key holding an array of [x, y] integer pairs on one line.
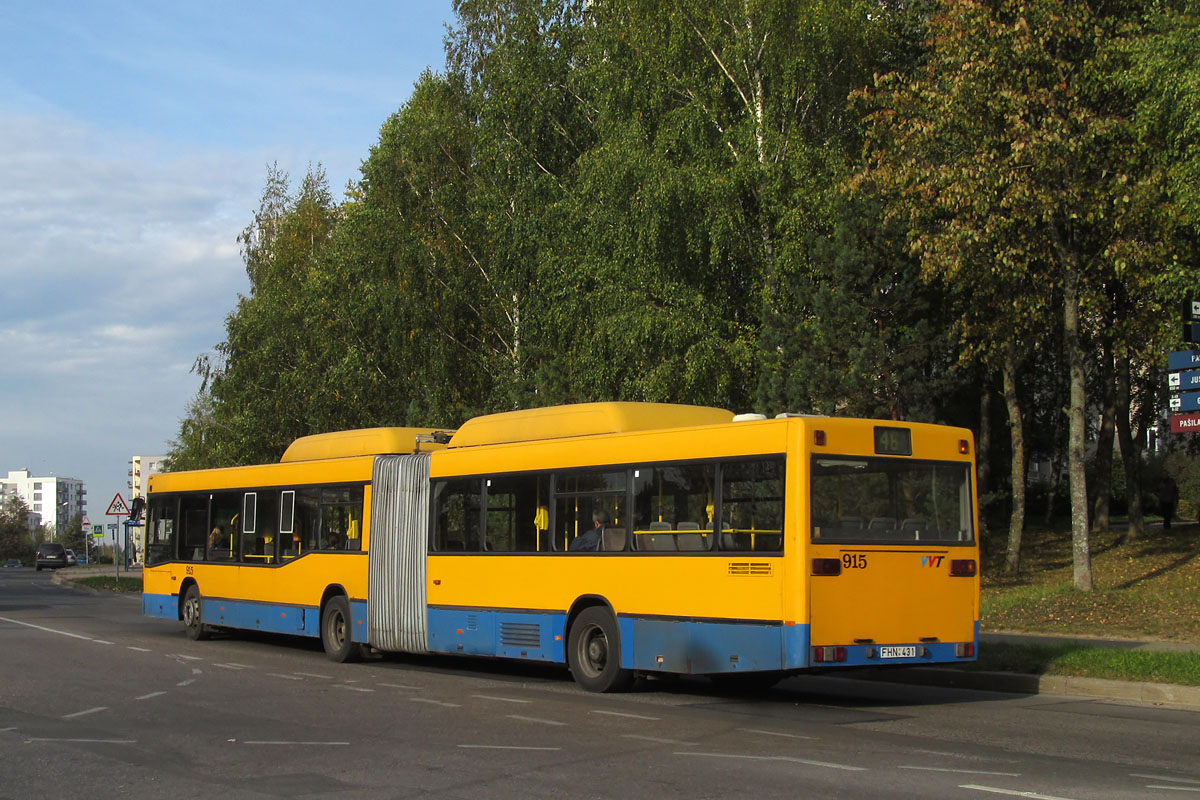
{"points": [[1163, 778], [965, 771], [503, 747], [353, 688], [231, 666], [186, 658], [401, 686], [535, 719], [239, 666], [1013, 792], [626, 716], [101, 641], [775, 733], [336, 744], [789, 759], [139, 649], [47, 630], [285, 677], [188, 682], [434, 702], [500, 699], [315, 675], [148, 696], [656, 740], [1176, 788], [85, 741], [83, 713]]}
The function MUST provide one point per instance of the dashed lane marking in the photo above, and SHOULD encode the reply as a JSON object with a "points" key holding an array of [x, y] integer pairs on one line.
{"points": [[148, 696], [84, 713], [625, 715], [315, 675], [964, 771], [500, 699], [788, 759], [537, 720], [503, 747], [434, 702], [285, 677], [776, 733], [314, 744], [139, 649], [656, 740], [1012, 792]]}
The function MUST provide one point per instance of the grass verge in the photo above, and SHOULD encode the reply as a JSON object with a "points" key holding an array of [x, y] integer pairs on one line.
{"points": [[110, 583], [1152, 666]]}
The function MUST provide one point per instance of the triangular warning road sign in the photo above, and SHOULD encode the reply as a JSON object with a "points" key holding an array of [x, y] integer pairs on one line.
{"points": [[117, 507]]}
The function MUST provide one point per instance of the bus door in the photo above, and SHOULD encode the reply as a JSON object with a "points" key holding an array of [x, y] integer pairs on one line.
{"points": [[893, 561]]}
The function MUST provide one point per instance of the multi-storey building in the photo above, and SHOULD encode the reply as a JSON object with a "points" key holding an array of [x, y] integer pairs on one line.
{"points": [[53, 500], [140, 470]]}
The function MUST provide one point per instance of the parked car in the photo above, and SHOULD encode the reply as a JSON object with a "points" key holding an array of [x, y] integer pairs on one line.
{"points": [[13, 562], [71, 559], [50, 554]]}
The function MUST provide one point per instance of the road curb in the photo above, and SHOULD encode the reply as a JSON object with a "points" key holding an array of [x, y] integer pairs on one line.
{"points": [[1159, 694]]}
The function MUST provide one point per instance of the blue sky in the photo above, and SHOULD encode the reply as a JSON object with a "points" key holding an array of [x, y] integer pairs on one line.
{"points": [[134, 143]]}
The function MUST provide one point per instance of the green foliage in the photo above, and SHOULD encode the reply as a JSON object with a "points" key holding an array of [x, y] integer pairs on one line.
{"points": [[15, 541]]}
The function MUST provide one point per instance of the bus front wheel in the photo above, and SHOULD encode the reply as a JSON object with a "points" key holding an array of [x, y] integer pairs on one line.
{"points": [[192, 616], [594, 652], [336, 633]]}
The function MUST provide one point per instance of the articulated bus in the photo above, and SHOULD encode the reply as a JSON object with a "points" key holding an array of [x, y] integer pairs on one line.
{"points": [[740, 547]]}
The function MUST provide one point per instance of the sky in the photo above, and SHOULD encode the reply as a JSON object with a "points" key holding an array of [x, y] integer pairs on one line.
{"points": [[134, 144]]}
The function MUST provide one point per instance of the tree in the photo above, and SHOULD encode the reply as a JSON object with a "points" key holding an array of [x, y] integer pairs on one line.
{"points": [[15, 541], [1014, 162]]}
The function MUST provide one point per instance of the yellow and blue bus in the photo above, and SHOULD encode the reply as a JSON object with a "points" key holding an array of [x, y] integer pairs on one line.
{"points": [[722, 545]]}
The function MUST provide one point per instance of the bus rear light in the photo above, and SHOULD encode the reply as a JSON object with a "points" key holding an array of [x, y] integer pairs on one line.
{"points": [[827, 655], [819, 438], [962, 567], [964, 446], [826, 566], [964, 650]]}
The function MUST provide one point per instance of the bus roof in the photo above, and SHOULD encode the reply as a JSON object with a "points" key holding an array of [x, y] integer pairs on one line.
{"points": [[582, 419], [361, 442]]}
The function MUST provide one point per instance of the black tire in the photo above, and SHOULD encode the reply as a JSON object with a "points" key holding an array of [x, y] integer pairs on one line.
{"points": [[594, 652], [192, 612], [336, 631]]}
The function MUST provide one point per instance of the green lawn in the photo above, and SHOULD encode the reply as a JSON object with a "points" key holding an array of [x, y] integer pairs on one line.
{"points": [[1147, 589]]}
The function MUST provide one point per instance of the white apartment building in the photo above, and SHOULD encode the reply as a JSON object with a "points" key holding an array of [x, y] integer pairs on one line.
{"points": [[53, 500], [140, 470]]}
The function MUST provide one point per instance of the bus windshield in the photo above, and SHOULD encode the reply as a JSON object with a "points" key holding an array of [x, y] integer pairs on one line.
{"points": [[892, 500]]}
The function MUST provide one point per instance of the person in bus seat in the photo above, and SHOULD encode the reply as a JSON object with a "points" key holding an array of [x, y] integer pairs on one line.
{"points": [[333, 541], [591, 539], [218, 544]]}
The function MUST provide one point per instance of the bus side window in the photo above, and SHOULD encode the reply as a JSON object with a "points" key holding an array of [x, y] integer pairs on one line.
{"points": [[752, 505], [160, 530], [457, 511], [512, 520], [194, 514]]}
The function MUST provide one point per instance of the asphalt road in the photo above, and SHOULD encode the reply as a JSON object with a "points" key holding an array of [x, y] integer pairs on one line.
{"points": [[97, 701]]}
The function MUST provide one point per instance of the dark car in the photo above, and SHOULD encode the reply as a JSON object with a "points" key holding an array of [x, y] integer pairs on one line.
{"points": [[51, 554], [12, 562]]}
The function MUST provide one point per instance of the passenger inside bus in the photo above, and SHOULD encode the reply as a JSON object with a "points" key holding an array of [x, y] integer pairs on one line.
{"points": [[591, 539]]}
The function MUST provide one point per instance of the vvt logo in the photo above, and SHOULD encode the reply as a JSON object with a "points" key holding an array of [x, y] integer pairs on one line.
{"points": [[931, 561]]}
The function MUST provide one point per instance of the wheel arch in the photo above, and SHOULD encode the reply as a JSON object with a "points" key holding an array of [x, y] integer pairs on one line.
{"points": [[583, 602], [188, 583]]}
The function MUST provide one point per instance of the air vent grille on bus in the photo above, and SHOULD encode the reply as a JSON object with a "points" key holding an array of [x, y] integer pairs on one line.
{"points": [[749, 568], [520, 634]]}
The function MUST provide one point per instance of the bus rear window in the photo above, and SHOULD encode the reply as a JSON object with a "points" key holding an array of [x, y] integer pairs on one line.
{"points": [[897, 501]]}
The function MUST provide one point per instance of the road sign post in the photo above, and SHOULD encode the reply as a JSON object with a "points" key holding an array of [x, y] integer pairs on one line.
{"points": [[116, 508]]}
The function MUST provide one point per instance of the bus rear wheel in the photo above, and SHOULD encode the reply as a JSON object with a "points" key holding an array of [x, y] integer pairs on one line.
{"points": [[594, 652], [336, 633], [193, 622]]}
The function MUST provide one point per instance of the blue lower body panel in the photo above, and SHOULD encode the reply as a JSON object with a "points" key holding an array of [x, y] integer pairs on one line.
{"points": [[165, 606], [270, 617], [648, 644]]}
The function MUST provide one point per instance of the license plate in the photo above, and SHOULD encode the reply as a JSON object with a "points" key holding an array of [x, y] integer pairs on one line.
{"points": [[907, 651]]}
